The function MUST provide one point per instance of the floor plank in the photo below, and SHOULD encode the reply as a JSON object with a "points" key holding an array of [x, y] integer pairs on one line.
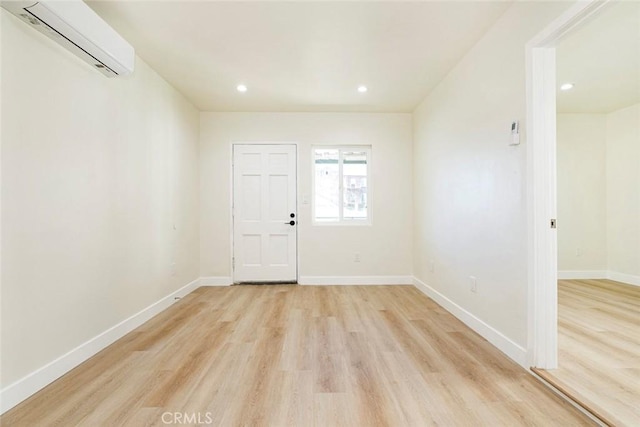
{"points": [[599, 348], [299, 356]]}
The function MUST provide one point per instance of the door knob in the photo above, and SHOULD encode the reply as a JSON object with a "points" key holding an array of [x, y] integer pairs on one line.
{"points": [[292, 215], [291, 223]]}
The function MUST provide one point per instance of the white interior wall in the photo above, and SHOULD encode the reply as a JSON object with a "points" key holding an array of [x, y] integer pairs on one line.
{"points": [[623, 194], [582, 201], [598, 195], [469, 184], [384, 247], [99, 198]]}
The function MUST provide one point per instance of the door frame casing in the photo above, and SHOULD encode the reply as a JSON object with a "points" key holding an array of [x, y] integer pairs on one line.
{"points": [[542, 295], [231, 202]]}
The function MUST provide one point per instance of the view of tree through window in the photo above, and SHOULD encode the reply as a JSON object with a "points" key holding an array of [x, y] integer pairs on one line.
{"points": [[341, 192]]}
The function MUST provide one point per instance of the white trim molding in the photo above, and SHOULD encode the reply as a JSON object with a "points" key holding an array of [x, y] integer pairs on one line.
{"points": [[582, 274], [629, 279], [495, 337], [216, 281], [542, 239], [355, 280], [20, 390]]}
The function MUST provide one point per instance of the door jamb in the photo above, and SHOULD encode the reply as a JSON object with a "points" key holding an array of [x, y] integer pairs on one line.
{"points": [[542, 329]]}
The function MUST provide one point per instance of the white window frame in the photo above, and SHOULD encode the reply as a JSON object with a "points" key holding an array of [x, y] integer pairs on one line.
{"points": [[341, 220]]}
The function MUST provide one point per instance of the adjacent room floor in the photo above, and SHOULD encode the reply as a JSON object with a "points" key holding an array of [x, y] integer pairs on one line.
{"points": [[299, 356], [599, 348]]}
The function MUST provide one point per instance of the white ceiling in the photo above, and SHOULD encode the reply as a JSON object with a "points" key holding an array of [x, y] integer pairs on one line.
{"points": [[602, 59], [302, 56]]}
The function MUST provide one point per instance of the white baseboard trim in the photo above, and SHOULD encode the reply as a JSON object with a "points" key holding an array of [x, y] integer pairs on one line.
{"points": [[15, 393], [216, 281], [629, 279], [624, 278], [355, 280], [495, 337], [581, 274]]}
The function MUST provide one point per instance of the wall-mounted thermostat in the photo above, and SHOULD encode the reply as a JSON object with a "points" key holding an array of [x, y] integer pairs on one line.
{"points": [[515, 133]]}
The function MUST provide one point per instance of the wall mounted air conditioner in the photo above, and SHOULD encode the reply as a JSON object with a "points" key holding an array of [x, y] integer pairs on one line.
{"points": [[79, 29]]}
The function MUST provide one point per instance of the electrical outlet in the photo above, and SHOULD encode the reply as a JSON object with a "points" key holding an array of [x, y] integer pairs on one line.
{"points": [[173, 269], [432, 266], [578, 251], [356, 257], [473, 283]]}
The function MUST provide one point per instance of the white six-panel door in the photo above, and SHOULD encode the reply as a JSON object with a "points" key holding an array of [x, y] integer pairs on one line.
{"points": [[264, 200]]}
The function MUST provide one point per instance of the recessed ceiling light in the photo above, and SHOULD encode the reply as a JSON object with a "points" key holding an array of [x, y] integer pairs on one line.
{"points": [[566, 86], [362, 88], [241, 88]]}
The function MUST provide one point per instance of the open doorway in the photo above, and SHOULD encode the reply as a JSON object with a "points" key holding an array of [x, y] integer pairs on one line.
{"points": [[597, 91], [598, 170]]}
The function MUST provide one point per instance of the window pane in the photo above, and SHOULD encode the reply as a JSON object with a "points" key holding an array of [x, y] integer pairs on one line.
{"points": [[354, 171], [327, 180]]}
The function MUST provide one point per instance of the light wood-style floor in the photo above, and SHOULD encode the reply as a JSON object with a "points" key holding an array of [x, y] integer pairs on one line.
{"points": [[300, 356], [599, 348]]}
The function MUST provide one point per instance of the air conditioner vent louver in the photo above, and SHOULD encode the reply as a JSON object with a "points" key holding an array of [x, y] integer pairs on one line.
{"points": [[80, 30], [31, 19]]}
